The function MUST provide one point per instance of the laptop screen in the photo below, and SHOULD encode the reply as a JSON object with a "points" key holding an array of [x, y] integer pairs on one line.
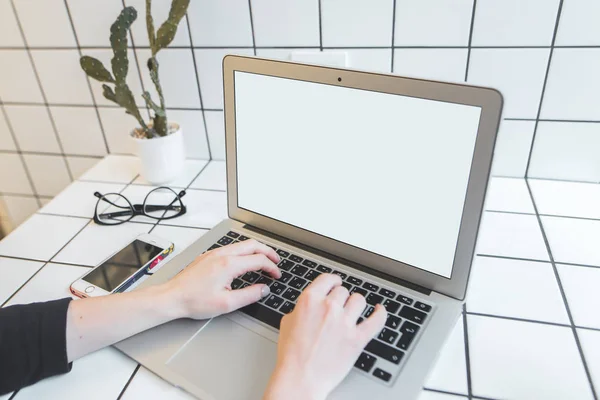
{"points": [[382, 172]]}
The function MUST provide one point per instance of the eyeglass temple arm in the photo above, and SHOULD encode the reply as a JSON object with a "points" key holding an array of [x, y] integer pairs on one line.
{"points": [[115, 214]]}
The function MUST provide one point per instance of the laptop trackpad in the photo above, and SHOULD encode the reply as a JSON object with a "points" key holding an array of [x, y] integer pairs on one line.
{"points": [[227, 360]]}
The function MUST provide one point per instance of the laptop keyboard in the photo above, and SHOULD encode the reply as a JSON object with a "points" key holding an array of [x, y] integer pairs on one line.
{"points": [[384, 355]]}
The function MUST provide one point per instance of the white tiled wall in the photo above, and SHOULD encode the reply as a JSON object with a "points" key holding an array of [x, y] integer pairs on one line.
{"points": [[544, 55]]}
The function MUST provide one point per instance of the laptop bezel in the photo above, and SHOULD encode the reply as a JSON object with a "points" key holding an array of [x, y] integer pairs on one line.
{"points": [[490, 101]]}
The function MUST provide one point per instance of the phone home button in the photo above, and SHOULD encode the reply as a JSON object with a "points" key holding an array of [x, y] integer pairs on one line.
{"points": [[89, 289]]}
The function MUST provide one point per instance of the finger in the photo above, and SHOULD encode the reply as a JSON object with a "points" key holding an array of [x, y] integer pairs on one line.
{"points": [[323, 284], [339, 295], [355, 306], [240, 265], [248, 247], [374, 324], [251, 294]]}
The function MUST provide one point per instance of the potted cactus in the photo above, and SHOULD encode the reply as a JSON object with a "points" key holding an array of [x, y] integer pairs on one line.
{"points": [[159, 143]]}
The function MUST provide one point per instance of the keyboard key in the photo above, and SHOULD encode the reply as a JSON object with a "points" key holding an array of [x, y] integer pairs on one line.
{"points": [[370, 286], [360, 319], [297, 283], [310, 264], [340, 274], [409, 328], [362, 291], [412, 315], [274, 301], [392, 321], [387, 335], [422, 306], [242, 238], [384, 351], [373, 299], [285, 277], [355, 281], [233, 234], [381, 374], [291, 294], [277, 288], [409, 331], [225, 240], [365, 362], [403, 299], [265, 280], [369, 311], [391, 306], [312, 275], [347, 285], [250, 276], [299, 270], [214, 246], [236, 284], [285, 265], [283, 253], [323, 268], [287, 307], [295, 258], [273, 247], [245, 284], [264, 314], [387, 293]]}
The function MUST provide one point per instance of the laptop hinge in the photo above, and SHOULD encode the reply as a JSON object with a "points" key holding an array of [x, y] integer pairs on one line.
{"points": [[324, 254]]}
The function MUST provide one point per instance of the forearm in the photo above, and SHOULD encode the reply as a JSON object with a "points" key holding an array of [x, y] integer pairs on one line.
{"points": [[95, 323]]}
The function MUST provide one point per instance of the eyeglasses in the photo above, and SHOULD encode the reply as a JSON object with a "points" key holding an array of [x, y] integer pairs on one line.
{"points": [[161, 203]]}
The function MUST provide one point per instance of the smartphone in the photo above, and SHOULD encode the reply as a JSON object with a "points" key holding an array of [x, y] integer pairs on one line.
{"points": [[121, 270]]}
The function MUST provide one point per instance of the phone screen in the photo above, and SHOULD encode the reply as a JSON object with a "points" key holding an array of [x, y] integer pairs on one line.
{"points": [[117, 269]]}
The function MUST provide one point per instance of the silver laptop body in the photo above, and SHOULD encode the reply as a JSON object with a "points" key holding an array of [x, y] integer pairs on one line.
{"points": [[379, 178]]}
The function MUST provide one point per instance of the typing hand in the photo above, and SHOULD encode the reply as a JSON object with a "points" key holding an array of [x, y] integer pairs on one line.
{"points": [[320, 341], [203, 289]]}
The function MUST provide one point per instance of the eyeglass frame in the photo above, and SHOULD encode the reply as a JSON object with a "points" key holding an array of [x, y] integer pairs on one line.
{"points": [[138, 209]]}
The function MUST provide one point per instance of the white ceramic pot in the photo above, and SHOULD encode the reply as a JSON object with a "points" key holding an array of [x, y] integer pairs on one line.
{"points": [[162, 158]]}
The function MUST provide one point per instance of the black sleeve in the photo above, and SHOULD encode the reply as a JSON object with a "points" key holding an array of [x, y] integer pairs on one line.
{"points": [[33, 343]]}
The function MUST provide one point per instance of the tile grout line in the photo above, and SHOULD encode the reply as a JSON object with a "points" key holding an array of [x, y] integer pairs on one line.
{"points": [[187, 19], [539, 110], [470, 40], [20, 154], [467, 351], [539, 261], [42, 91], [223, 47], [562, 291], [29, 195], [43, 153], [129, 381], [252, 27], [320, 26], [393, 37], [444, 392], [527, 320], [75, 105], [87, 78]]}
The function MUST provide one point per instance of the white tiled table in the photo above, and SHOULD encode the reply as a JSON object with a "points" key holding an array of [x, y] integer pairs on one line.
{"points": [[530, 327]]}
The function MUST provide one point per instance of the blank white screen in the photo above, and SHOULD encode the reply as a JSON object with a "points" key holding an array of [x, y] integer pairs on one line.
{"points": [[385, 173]]}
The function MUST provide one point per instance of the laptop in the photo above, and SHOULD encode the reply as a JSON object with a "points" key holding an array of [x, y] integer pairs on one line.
{"points": [[379, 179]]}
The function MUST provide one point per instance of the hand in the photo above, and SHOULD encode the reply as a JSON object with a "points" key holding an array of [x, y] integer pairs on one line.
{"points": [[203, 289], [320, 341]]}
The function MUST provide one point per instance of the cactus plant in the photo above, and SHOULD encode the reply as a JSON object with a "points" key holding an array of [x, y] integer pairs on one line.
{"points": [[120, 93]]}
